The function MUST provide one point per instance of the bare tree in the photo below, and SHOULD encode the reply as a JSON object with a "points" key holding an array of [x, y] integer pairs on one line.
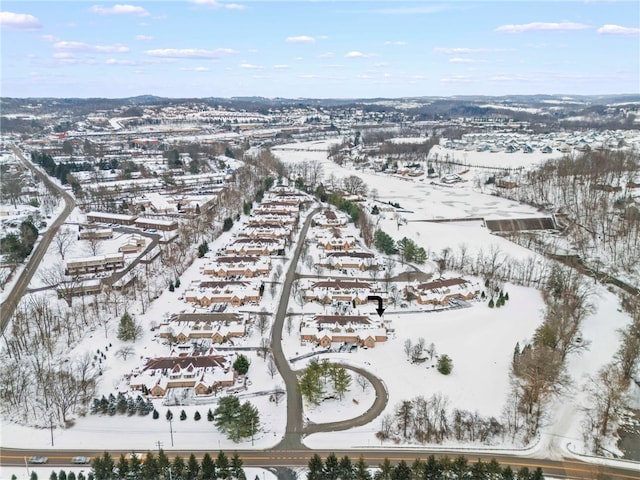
{"points": [[271, 367], [63, 241], [354, 185], [94, 245], [125, 352], [262, 323], [363, 382], [407, 348]]}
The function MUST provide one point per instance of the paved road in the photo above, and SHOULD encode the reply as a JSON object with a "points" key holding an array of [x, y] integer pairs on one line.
{"points": [[379, 404], [293, 432], [9, 305], [564, 469]]}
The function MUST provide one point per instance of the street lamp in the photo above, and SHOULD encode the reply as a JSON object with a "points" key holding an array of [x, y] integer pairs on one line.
{"points": [[171, 429]]}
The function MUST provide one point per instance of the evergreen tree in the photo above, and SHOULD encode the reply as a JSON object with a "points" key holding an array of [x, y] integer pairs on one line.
{"points": [[362, 470], [62, 475], [491, 304], [341, 381], [178, 469], [177, 283], [163, 463], [432, 469], [478, 471], [385, 470], [71, 476], [345, 469], [523, 474], [183, 415], [537, 474], [135, 466], [222, 464], [507, 473], [171, 287], [210, 416], [169, 415], [53, 476], [34, 476], [207, 468], [241, 364], [236, 467], [128, 329], [316, 468], [156, 414], [123, 467], [150, 467], [196, 416], [460, 467], [203, 248], [193, 467], [445, 365], [331, 471], [402, 471]]}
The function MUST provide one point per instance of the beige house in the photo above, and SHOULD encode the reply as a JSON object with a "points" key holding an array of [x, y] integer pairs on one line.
{"points": [[204, 373]]}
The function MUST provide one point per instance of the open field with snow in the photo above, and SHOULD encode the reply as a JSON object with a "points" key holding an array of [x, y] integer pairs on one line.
{"points": [[479, 340]]}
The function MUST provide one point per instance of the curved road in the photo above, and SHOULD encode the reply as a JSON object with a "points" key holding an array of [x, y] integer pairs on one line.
{"points": [[378, 406], [9, 305], [293, 432]]}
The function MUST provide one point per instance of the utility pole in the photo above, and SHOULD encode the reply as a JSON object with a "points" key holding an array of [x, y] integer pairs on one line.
{"points": [[171, 430], [159, 444], [252, 429], [51, 426]]}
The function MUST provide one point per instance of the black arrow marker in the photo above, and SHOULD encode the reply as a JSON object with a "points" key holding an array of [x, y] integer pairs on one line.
{"points": [[380, 310]]}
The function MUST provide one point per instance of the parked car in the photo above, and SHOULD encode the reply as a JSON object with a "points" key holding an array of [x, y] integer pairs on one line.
{"points": [[38, 460], [80, 460]]}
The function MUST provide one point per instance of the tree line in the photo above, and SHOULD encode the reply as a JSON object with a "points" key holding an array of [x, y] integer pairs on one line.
{"points": [[432, 468]]}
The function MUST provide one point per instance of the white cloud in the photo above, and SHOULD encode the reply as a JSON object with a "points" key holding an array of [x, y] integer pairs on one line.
{"points": [[542, 27], [195, 69], [618, 30], [299, 59], [308, 75], [61, 55], [457, 50], [456, 79], [144, 38], [120, 10], [398, 43], [19, 21], [250, 66], [216, 4], [280, 67], [357, 54], [326, 55], [50, 38], [84, 47], [301, 39], [421, 10], [115, 61], [463, 60], [189, 52]]}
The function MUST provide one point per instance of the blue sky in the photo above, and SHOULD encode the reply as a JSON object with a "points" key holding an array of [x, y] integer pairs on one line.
{"points": [[318, 49]]}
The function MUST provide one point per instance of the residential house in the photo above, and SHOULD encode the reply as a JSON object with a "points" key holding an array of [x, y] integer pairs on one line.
{"points": [[325, 330], [440, 292], [204, 373]]}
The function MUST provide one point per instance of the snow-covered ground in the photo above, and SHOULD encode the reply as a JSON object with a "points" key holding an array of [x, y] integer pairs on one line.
{"points": [[479, 340]]}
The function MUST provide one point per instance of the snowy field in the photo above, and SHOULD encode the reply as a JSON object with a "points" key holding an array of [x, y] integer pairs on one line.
{"points": [[479, 340]]}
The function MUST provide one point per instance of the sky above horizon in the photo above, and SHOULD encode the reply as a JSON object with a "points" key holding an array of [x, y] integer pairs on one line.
{"points": [[318, 49]]}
